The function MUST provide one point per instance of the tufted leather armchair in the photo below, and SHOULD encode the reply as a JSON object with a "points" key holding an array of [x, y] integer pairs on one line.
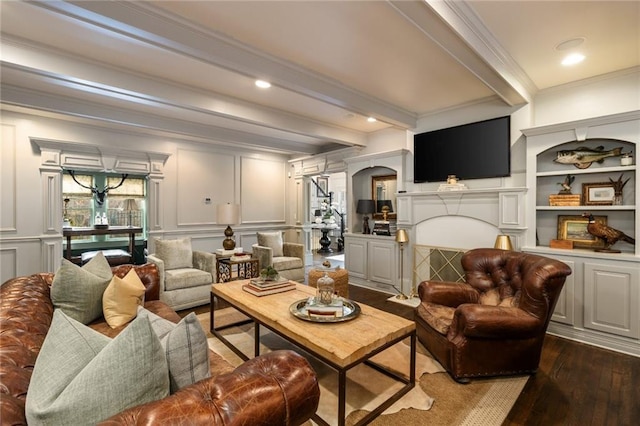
{"points": [[494, 323]]}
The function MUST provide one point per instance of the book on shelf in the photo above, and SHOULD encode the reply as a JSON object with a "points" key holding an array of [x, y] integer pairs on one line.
{"points": [[256, 291]]}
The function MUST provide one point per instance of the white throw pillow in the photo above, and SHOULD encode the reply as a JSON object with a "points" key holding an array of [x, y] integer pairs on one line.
{"points": [[176, 254], [84, 377], [272, 240]]}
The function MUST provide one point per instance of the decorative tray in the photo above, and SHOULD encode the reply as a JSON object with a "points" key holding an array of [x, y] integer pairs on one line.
{"points": [[348, 311]]}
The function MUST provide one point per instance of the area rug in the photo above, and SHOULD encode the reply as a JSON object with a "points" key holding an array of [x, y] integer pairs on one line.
{"points": [[436, 399]]}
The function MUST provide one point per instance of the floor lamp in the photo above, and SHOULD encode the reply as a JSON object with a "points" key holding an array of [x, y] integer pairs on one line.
{"points": [[401, 238]]}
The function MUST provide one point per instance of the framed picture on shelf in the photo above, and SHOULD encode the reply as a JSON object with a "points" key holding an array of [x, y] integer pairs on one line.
{"points": [[574, 228], [323, 187], [598, 194]]}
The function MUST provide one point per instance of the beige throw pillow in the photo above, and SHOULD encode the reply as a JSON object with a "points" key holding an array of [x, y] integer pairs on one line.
{"points": [[272, 240], [121, 299], [175, 254]]}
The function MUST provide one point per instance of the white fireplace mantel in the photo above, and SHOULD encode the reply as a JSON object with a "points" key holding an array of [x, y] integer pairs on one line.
{"points": [[500, 209]]}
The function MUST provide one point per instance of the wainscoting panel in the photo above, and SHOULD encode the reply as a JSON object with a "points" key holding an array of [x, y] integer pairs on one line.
{"points": [[263, 190], [204, 180], [8, 179]]}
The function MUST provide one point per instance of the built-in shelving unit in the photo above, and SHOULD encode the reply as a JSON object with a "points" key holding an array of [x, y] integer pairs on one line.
{"points": [[600, 303]]}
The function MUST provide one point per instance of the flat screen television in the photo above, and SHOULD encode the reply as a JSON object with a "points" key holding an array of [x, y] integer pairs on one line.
{"points": [[470, 151]]}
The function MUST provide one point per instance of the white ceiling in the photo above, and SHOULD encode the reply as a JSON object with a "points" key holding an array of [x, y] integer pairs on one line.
{"points": [[187, 68]]}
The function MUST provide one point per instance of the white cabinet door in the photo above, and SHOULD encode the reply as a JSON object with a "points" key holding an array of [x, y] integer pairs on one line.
{"points": [[356, 257], [612, 298], [565, 307], [382, 262]]}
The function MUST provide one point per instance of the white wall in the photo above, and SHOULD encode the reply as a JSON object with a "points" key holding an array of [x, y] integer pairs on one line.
{"points": [[191, 173], [605, 95], [259, 181]]}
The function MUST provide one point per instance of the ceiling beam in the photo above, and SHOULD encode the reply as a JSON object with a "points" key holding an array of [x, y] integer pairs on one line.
{"points": [[459, 32], [144, 22], [44, 67]]}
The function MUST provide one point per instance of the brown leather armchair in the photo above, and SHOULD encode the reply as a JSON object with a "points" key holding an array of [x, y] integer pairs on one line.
{"points": [[495, 323]]}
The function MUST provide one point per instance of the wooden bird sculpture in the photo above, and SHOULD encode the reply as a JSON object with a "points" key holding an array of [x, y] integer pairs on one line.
{"points": [[566, 185], [609, 235]]}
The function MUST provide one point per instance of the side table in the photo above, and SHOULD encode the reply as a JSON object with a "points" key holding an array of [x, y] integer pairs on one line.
{"points": [[230, 270]]}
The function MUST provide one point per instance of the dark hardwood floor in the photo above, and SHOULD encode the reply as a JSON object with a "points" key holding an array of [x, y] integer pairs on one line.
{"points": [[576, 384]]}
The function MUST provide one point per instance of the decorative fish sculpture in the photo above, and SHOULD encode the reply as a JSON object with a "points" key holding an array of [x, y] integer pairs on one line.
{"points": [[583, 157]]}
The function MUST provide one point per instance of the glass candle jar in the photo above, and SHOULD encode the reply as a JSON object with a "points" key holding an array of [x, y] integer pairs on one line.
{"points": [[326, 288], [626, 160]]}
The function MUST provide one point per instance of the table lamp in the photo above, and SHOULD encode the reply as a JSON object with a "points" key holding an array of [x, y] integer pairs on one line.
{"points": [[503, 242], [366, 207], [385, 207], [228, 214], [129, 206]]}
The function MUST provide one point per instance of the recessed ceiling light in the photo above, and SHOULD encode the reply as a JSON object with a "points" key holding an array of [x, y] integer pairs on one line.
{"points": [[371, 120], [572, 59], [263, 84], [570, 44]]}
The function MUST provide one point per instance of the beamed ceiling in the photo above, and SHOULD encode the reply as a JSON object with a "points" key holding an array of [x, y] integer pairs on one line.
{"points": [[187, 68]]}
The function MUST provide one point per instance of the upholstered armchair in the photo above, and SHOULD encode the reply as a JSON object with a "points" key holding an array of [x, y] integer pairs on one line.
{"points": [[494, 323], [286, 258], [186, 275]]}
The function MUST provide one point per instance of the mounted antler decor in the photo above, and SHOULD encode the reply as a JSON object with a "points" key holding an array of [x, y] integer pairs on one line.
{"points": [[617, 189], [99, 195]]}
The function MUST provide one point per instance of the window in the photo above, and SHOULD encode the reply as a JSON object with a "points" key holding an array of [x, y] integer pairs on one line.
{"points": [[80, 207]]}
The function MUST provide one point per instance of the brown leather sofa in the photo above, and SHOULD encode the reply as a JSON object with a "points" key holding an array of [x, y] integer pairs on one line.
{"points": [[279, 388], [495, 323]]}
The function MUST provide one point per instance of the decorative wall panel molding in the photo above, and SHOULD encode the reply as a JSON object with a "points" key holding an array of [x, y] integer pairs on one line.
{"points": [[8, 215]]}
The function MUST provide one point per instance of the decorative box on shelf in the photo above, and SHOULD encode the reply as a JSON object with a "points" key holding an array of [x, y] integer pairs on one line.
{"points": [[564, 200], [561, 244]]}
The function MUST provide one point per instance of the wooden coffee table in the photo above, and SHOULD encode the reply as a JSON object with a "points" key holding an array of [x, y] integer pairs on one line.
{"points": [[341, 345]]}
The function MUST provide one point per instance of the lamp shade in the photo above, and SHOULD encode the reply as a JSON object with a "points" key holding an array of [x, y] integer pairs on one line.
{"points": [[402, 236], [130, 204], [366, 207], [503, 242], [228, 214], [381, 203]]}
